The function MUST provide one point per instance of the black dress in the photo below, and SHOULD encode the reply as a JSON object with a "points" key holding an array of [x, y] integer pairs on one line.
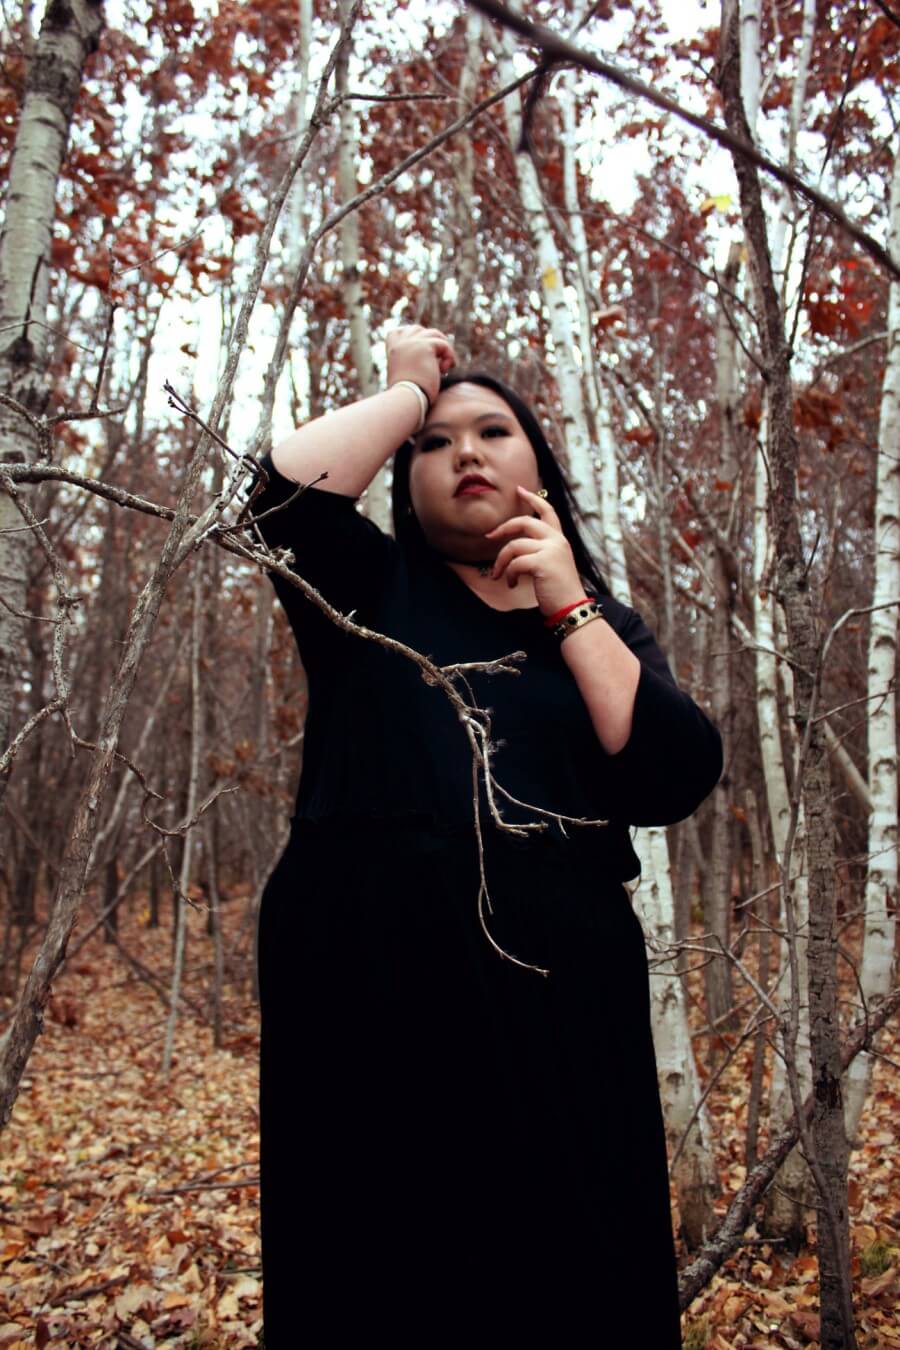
{"points": [[454, 1147]]}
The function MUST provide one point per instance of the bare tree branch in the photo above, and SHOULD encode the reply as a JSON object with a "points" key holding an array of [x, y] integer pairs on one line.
{"points": [[727, 1239], [558, 50]]}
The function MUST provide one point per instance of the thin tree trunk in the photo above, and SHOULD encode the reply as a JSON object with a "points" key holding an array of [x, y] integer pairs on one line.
{"points": [[154, 889], [695, 1174], [787, 1201], [761, 910], [563, 326], [110, 891], [826, 1142], [881, 876], [377, 498], [718, 885], [193, 788], [466, 270], [215, 915]]}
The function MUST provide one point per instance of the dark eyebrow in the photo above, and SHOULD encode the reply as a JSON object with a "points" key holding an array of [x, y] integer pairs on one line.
{"points": [[448, 426]]}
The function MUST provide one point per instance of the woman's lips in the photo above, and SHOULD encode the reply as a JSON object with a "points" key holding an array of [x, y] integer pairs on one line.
{"points": [[474, 487]]}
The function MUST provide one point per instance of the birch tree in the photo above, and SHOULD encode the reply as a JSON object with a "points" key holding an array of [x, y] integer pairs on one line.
{"points": [[687, 1122], [786, 1200], [825, 1143], [881, 873], [377, 503], [562, 325], [68, 34], [466, 240]]}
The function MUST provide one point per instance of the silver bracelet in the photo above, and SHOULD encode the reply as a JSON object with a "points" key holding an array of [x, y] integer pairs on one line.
{"points": [[576, 618], [424, 402]]}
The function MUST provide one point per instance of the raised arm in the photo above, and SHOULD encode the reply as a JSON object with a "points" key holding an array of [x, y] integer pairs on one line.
{"points": [[352, 443]]}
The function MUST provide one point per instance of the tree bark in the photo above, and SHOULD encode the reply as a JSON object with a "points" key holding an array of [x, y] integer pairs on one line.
{"points": [[826, 1143], [727, 1238], [377, 498], [466, 239], [69, 33], [881, 876], [717, 885], [562, 324], [788, 1201], [694, 1172], [193, 789]]}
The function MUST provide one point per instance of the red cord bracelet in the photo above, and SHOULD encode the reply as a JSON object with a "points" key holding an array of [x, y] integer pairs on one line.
{"points": [[561, 613]]}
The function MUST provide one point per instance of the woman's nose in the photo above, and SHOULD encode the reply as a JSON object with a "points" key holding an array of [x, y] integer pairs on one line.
{"points": [[468, 449]]}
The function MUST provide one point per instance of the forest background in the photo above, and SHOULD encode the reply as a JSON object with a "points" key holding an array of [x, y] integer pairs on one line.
{"points": [[683, 247]]}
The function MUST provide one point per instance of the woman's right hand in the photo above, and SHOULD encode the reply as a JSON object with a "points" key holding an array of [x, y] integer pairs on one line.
{"points": [[419, 354]]}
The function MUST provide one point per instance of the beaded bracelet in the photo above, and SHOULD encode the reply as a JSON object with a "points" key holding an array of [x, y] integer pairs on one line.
{"points": [[579, 616]]}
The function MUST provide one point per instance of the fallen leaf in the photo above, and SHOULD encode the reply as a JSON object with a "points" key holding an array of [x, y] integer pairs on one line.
{"points": [[175, 1300], [132, 1300], [879, 1284], [805, 1322]]}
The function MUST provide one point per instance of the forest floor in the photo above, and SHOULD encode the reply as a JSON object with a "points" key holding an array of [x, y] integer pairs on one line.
{"points": [[130, 1205]]}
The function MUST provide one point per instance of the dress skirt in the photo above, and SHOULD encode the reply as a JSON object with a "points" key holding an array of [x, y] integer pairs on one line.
{"points": [[453, 1146]]}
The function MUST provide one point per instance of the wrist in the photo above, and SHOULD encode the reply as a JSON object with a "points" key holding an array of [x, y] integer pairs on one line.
{"points": [[414, 391], [557, 615], [577, 617]]}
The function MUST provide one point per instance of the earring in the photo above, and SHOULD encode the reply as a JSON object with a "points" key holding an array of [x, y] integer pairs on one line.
{"points": [[542, 492]]}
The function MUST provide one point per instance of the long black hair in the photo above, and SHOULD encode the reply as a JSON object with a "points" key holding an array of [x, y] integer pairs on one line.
{"points": [[408, 531]]}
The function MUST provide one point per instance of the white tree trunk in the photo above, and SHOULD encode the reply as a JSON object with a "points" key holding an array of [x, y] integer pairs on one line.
{"points": [[294, 228], [377, 498], [466, 271], [563, 325], [694, 1172], [786, 213], [68, 34], [881, 878], [783, 1216], [751, 62]]}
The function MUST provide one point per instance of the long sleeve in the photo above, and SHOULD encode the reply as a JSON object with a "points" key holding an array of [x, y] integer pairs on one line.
{"points": [[336, 549], [673, 757]]}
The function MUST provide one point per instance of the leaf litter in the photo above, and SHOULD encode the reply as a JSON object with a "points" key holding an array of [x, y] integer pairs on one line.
{"points": [[131, 1205]]}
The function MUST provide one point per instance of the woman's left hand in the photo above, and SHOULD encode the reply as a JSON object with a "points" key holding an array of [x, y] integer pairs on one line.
{"points": [[539, 550]]}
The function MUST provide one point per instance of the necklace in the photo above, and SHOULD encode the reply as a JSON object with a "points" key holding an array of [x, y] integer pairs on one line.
{"points": [[484, 565]]}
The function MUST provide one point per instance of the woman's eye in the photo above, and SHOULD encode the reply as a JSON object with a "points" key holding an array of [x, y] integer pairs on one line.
{"points": [[433, 443], [495, 431]]}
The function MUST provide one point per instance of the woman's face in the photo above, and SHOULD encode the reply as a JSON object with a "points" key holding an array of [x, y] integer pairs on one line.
{"points": [[470, 431]]}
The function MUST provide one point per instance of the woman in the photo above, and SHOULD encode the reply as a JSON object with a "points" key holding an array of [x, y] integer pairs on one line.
{"points": [[461, 1133]]}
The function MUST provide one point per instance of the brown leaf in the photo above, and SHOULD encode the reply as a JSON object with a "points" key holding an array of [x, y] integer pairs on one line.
{"points": [[175, 1300], [879, 1284]]}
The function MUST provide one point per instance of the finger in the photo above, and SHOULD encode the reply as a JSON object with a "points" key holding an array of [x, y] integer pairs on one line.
{"points": [[515, 549], [442, 348], [527, 525], [520, 566], [540, 504], [434, 334]]}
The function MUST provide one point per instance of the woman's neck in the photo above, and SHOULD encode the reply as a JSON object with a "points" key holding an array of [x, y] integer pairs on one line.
{"points": [[497, 593]]}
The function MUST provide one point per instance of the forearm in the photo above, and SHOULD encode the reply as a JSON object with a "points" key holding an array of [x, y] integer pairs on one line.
{"points": [[351, 443], [607, 675]]}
